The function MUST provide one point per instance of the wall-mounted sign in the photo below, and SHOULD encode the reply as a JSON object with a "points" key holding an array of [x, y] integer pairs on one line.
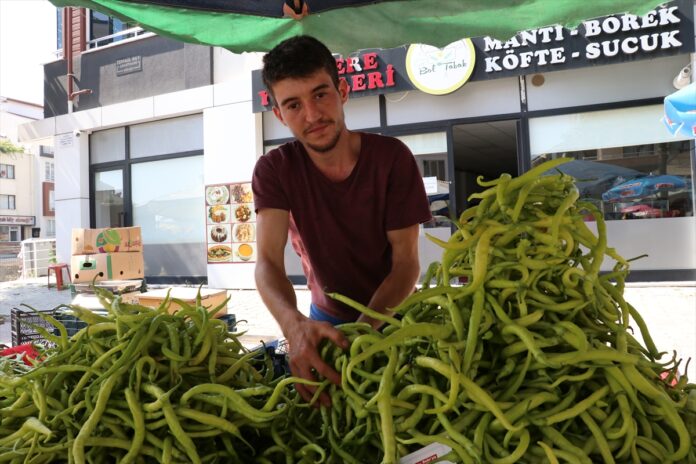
{"points": [[664, 31], [65, 140], [430, 184], [439, 71], [129, 65], [15, 220], [230, 223], [370, 72]]}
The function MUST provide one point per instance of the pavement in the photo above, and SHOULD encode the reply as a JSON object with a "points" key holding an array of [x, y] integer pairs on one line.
{"points": [[669, 309], [253, 319]]}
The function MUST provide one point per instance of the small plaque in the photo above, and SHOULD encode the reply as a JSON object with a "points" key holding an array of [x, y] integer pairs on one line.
{"points": [[129, 65]]}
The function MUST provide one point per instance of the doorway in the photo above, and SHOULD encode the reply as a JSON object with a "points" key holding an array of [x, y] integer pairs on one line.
{"points": [[486, 149]]}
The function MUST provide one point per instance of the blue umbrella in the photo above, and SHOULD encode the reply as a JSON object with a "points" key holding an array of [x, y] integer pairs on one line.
{"points": [[680, 111], [593, 177], [643, 187]]}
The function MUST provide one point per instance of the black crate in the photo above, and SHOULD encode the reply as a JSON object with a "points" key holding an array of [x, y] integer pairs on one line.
{"points": [[24, 324]]}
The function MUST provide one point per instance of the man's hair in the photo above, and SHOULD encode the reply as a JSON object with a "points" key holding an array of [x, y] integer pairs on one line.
{"points": [[297, 57]]}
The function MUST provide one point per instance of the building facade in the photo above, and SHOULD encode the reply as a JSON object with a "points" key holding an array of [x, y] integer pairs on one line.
{"points": [[153, 132], [26, 178]]}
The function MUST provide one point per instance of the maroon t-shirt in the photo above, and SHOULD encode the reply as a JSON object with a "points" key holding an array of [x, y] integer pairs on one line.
{"points": [[339, 229]]}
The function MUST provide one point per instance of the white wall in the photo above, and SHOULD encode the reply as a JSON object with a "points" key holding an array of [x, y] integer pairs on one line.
{"points": [[71, 155], [232, 143], [670, 243], [604, 84], [482, 98], [229, 66]]}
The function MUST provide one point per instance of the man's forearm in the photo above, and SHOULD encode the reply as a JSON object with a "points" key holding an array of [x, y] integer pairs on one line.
{"points": [[394, 289], [278, 295]]}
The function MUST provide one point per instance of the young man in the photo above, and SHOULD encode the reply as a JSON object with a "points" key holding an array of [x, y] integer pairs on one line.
{"points": [[352, 203]]}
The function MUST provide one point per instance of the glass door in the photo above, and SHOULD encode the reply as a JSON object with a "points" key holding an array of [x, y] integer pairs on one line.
{"points": [[108, 199]]}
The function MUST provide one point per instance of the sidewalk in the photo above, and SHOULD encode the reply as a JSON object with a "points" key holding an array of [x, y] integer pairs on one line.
{"points": [[669, 310], [252, 316]]}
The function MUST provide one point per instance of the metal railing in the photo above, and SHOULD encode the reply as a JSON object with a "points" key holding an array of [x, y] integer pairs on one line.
{"points": [[118, 37], [36, 255]]}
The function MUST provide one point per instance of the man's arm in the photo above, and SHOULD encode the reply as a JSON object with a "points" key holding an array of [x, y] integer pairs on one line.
{"points": [[303, 335], [404, 274]]}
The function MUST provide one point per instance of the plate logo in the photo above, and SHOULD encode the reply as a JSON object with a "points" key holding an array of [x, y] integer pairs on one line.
{"points": [[439, 71]]}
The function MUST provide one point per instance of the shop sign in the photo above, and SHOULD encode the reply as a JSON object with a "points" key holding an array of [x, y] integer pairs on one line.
{"points": [[129, 65], [370, 72], [664, 31], [439, 71], [17, 220]]}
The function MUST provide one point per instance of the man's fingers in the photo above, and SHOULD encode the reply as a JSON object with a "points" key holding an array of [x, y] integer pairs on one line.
{"points": [[307, 391], [335, 335], [304, 392], [327, 371]]}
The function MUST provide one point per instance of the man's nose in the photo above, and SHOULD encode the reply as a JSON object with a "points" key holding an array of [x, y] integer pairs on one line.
{"points": [[312, 111]]}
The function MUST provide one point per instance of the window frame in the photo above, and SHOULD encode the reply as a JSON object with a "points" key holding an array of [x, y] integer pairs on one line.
{"points": [[49, 171], [11, 201], [9, 169]]}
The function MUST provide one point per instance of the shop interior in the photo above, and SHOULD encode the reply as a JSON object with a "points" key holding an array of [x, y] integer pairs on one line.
{"points": [[486, 149]]}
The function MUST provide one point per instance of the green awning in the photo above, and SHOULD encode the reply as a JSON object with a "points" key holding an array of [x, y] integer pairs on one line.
{"points": [[357, 24]]}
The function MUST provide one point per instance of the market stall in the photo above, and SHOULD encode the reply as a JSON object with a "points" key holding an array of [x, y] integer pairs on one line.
{"points": [[533, 359]]}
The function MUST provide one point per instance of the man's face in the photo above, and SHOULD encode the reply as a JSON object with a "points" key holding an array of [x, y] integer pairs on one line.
{"points": [[312, 108]]}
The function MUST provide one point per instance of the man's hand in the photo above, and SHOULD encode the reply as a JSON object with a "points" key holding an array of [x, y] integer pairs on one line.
{"points": [[304, 339]]}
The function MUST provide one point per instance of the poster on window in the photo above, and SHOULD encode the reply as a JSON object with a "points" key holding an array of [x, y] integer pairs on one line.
{"points": [[230, 223]]}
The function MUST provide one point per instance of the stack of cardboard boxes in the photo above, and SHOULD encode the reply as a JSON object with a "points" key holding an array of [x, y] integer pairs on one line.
{"points": [[111, 258], [107, 254]]}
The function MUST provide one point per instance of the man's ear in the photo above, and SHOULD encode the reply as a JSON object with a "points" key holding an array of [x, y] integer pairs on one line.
{"points": [[278, 115], [343, 89]]}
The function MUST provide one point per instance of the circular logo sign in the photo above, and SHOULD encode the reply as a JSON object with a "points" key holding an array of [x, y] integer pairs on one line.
{"points": [[439, 71]]}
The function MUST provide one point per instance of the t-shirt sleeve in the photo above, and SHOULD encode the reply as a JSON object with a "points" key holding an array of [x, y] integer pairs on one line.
{"points": [[407, 202], [267, 186]]}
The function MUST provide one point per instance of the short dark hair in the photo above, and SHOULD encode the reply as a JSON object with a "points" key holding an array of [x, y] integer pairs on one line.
{"points": [[297, 57]]}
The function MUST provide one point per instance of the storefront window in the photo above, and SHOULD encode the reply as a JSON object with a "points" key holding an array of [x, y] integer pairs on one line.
{"points": [[176, 135], [430, 151], [623, 163], [168, 201], [107, 145], [108, 198]]}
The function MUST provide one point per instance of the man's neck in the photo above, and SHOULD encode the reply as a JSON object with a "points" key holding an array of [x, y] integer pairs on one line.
{"points": [[338, 163]]}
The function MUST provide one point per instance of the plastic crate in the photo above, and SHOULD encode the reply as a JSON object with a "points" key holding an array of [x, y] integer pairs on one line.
{"points": [[278, 352], [230, 320], [25, 322]]}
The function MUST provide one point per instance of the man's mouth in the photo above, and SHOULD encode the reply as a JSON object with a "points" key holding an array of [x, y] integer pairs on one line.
{"points": [[316, 128]]}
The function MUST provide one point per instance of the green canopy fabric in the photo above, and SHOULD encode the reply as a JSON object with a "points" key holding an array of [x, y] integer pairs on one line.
{"points": [[384, 24]]}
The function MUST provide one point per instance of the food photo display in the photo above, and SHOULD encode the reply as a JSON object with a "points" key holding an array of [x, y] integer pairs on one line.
{"points": [[230, 223]]}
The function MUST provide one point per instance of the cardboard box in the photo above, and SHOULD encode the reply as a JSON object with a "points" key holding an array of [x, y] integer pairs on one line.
{"points": [[110, 240], [107, 266], [210, 298], [90, 301]]}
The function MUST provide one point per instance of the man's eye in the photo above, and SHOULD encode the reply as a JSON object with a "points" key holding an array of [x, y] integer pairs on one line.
{"points": [[320, 95], [293, 106]]}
